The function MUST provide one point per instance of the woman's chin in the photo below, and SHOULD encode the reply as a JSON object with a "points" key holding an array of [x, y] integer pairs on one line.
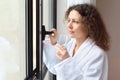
{"points": [[71, 36]]}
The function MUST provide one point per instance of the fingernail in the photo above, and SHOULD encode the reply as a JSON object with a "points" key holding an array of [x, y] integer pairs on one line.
{"points": [[52, 34]]}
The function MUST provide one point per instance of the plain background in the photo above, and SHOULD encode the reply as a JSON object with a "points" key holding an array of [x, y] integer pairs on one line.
{"points": [[110, 10]]}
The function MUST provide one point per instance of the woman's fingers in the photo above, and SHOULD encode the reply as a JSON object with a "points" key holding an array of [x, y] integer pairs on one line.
{"points": [[54, 32], [59, 56], [53, 36], [61, 52], [59, 46]]}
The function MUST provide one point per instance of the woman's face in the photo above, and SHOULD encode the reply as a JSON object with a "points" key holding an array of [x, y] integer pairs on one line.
{"points": [[75, 25]]}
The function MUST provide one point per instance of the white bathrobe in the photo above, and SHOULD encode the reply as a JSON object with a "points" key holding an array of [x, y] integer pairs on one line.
{"points": [[89, 62]]}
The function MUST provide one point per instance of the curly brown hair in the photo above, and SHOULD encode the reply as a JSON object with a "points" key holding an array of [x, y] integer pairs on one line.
{"points": [[93, 24]]}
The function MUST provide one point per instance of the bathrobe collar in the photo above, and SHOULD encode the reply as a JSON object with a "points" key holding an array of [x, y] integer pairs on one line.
{"points": [[84, 46], [64, 67]]}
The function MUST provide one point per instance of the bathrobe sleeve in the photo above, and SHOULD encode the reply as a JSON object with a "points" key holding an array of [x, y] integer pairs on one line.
{"points": [[97, 66], [49, 56]]}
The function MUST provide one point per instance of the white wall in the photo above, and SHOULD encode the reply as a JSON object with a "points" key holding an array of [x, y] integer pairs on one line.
{"points": [[12, 39]]}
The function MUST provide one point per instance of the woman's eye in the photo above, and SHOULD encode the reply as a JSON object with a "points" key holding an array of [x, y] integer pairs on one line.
{"points": [[76, 21], [73, 21], [68, 21]]}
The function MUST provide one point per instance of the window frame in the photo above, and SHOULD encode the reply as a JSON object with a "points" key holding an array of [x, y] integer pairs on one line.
{"points": [[30, 72]]}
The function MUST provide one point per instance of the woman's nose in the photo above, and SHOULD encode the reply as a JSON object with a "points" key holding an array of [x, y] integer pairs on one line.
{"points": [[70, 24]]}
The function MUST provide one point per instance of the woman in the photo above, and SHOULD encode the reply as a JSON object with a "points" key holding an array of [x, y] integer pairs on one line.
{"points": [[84, 57]]}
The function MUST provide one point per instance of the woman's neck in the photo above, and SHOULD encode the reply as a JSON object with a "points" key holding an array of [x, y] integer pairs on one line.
{"points": [[78, 44], [80, 41]]}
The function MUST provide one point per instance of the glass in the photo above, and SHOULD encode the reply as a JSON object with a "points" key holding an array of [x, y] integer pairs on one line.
{"points": [[12, 40], [63, 39]]}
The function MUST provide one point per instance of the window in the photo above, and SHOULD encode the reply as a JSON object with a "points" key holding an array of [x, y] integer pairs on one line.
{"points": [[38, 13]]}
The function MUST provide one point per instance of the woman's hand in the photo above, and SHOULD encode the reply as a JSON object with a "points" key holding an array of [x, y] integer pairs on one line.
{"points": [[53, 36], [61, 52]]}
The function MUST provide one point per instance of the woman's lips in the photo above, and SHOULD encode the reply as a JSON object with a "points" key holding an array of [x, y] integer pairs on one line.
{"points": [[71, 32]]}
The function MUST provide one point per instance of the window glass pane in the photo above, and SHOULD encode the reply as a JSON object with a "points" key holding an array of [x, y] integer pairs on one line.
{"points": [[34, 34], [48, 14], [48, 19], [12, 40]]}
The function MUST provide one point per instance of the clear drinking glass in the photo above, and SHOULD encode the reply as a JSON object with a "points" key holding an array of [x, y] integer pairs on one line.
{"points": [[63, 39]]}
